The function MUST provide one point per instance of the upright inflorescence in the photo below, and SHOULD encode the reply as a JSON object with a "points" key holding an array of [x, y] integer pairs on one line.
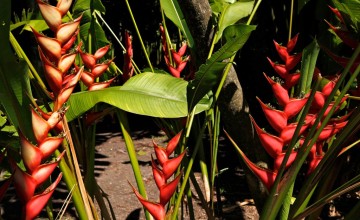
{"points": [[162, 171], [175, 60], [283, 120], [57, 58], [94, 69]]}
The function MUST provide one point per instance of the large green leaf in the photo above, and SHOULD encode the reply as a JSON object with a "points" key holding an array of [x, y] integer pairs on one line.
{"points": [[209, 73], [233, 13], [150, 94], [14, 82], [173, 12]]}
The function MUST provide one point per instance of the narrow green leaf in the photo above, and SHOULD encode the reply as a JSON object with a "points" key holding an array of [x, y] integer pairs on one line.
{"points": [[173, 12], [231, 14], [150, 94], [308, 63], [209, 73], [14, 82], [86, 8]]}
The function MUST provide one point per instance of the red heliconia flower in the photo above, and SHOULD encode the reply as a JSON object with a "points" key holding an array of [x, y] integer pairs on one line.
{"points": [[284, 52], [330, 130], [276, 118], [266, 176], [128, 69], [162, 173], [101, 85], [36, 203], [90, 60], [95, 69], [280, 93], [157, 210], [272, 144], [288, 132], [291, 79], [67, 89], [343, 61], [344, 34], [337, 14], [171, 165], [314, 158], [167, 190], [294, 106], [178, 62], [279, 159]]}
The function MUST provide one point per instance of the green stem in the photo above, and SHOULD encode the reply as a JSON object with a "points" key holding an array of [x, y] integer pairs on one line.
{"points": [[125, 129], [273, 204], [71, 184], [139, 35], [291, 19], [188, 170]]}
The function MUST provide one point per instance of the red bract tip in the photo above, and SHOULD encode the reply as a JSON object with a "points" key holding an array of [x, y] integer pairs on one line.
{"points": [[167, 190], [292, 61], [337, 14], [170, 166], [155, 209], [51, 47], [36, 204], [280, 93], [174, 72], [277, 119], [279, 159], [66, 30], [31, 154], [279, 68], [101, 85], [99, 69], [44, 171], [49, 145], [40, 127], [294, 106], [182, 49], [160, 153], [292, 43], [282, 51], [288, 132], [24, 184], [158, 175], [272, 144], [173, 143], [266, 176], [66, 62], [101, 52], [63, 6], [176, 57], [52, 15]]}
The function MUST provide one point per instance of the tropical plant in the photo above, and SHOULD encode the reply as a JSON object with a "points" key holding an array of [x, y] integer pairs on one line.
{"points": [[51, 102]]}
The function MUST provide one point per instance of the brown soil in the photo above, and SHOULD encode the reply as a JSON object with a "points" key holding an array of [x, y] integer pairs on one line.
{"points": [[114, 172]]}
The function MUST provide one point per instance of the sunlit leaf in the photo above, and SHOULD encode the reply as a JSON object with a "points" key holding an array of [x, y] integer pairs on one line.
{"points": [[231, 14], [150, 94]]}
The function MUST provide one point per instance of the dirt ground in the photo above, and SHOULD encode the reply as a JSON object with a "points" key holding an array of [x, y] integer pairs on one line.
{"points": [[113, 172]]}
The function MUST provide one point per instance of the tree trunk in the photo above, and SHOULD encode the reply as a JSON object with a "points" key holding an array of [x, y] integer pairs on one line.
{"points": [[232, 104]]}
